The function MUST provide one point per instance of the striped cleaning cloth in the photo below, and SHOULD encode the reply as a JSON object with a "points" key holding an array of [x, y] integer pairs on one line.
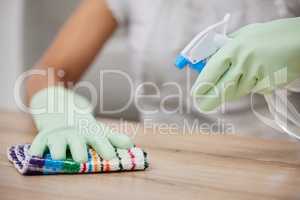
{"points": [[127, 160]]}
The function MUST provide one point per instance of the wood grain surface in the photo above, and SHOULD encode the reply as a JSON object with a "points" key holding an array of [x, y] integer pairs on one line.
{"points": [[182, 166]]}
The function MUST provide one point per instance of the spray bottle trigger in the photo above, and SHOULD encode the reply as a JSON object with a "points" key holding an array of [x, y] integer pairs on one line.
{"points": [[199, 66]]}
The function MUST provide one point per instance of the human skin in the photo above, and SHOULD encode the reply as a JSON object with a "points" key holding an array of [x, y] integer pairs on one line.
{"points": [[75, 47]]}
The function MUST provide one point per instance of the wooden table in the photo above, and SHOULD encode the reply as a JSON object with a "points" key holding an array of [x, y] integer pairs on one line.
{"points": [[182, 167]]}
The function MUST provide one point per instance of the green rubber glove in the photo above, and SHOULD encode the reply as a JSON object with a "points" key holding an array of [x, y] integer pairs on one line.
{"points": [[259, 58], [63, 120]]}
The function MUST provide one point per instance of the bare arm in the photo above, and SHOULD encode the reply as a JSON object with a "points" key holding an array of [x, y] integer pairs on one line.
{"points": [[76, 45]]}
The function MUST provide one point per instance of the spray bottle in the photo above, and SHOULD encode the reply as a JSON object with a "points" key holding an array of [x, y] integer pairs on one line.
{"points": [[205, 44]]}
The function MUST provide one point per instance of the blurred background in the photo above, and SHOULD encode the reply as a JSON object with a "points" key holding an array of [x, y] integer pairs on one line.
{"points": [[27, 27]]}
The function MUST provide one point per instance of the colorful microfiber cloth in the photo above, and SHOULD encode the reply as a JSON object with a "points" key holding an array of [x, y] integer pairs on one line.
{"points": [[127, 160]]}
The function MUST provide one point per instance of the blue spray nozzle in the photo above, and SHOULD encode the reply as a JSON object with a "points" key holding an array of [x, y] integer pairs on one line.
{"points": [[203, 46], [181, 62]]}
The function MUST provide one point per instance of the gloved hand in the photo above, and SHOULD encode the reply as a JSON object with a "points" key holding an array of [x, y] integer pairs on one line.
{"points": [[63, 120], [259, 58]]}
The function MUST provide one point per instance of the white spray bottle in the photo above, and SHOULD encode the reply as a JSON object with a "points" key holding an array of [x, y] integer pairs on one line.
{"points": [[206, 44]]}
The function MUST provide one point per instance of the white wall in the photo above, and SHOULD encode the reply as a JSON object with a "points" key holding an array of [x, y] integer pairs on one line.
{"points": [[11, 62]]}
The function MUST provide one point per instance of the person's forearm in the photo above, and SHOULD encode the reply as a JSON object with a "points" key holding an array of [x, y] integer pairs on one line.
{"points": [[75, 47]]}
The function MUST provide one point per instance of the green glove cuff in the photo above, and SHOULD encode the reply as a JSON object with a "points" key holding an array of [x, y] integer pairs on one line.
{"points": [[56, 107]]}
